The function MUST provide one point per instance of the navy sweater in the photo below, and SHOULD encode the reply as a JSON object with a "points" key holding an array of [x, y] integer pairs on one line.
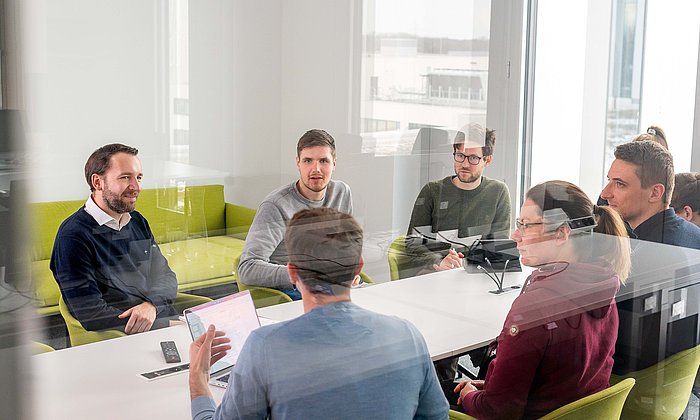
{"points": [[103, 272], [667, 227]]}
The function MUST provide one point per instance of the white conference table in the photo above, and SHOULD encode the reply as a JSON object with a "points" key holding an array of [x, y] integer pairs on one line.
{"points": [[453, 310]]}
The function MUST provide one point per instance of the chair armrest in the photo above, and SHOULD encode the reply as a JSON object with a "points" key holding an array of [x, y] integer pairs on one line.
{"points": [[78, 334], [366, 278]]}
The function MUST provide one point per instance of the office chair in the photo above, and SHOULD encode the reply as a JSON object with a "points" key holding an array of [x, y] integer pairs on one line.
{"points": [[662, 391], [79, 335], [397, 257], [606, 404]]}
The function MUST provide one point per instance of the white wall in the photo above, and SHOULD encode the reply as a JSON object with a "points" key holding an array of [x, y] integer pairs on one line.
{"points": [[318, 46], [97, 72], [89, 80], [235, 94]]}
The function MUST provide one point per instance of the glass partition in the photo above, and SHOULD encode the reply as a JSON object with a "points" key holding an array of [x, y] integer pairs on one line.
{"points": [[216, 96]]}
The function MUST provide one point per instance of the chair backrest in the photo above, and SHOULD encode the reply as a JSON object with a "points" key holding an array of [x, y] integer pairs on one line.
{"points": [[606, 404], [79, 335], [176, 214], [662, 391], [397, 257]]}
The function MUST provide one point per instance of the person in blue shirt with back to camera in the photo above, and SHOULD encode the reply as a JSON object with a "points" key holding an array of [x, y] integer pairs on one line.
{"points": [[336, 360]]}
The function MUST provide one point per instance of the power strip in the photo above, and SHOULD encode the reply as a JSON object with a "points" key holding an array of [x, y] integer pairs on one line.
{"points": [[165, 372]]}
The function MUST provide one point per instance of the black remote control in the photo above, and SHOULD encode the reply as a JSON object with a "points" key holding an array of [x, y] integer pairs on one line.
{"points": [[170, 352]]}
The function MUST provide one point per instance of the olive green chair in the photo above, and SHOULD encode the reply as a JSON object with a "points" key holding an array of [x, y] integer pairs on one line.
{"points": [[606, 404], [662, 391], [397, 257], [457, 415], [79, 335]]}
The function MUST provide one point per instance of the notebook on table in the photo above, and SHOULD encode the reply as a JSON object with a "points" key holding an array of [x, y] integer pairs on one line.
{"points": [[236, 316]]}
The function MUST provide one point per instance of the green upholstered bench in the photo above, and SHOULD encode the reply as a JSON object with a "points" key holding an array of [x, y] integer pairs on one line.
{"points": [[200, 235]]}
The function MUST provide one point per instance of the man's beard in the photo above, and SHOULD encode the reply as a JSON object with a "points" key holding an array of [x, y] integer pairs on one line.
{"points": [[115, 203], [471, 178]]}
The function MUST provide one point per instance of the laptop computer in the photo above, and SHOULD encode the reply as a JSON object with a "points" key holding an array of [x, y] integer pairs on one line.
{"points": [[236, 316]]}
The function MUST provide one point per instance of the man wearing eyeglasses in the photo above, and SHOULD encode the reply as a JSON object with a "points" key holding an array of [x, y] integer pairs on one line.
{"points": [[468, 201]]}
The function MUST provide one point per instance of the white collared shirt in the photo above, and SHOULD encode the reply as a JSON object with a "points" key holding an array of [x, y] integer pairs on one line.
{"points": [[103, 218]]}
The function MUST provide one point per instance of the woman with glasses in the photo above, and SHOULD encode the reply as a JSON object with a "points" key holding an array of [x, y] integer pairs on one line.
{"points": [[558, 339]]}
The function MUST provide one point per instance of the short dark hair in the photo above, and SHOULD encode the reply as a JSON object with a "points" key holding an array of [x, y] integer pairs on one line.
{"points": [[489, 138], [654, 164], [99, 160], [315, 137], [325, 245], [687, 192]]}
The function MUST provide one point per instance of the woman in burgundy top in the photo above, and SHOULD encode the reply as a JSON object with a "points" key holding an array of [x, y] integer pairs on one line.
{"points": [[558, 339]]}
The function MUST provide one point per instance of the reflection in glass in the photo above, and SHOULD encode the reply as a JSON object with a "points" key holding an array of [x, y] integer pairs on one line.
{"points": [[424, 65]]}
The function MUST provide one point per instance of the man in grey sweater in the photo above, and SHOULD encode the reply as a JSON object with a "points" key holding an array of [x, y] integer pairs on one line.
{"points": [[264, 259]]}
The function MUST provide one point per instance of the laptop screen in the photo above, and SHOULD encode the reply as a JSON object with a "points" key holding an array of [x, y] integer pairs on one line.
{"points": [[235, 315]]}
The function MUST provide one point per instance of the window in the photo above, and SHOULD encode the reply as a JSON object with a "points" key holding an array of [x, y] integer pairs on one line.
{"points": [[425, 64], [602, 79]]}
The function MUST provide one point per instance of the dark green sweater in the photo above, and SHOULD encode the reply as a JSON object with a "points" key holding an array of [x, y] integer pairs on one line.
{"points": [[483, 211]]}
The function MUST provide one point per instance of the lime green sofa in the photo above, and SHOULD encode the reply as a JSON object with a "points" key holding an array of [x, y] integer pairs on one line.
{"points": [[200, 235]]}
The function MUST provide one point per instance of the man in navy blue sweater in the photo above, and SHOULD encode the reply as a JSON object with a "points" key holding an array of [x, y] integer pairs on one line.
{"points": [[110, 270], [640, 184]]}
